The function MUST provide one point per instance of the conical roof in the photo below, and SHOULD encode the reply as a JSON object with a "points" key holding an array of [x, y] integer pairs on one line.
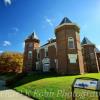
{"points": [[65, 20], [86, 41], [33, 36]]}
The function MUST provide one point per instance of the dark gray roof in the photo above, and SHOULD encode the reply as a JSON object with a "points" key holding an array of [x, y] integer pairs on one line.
{"points": [[32, 36], [97, 50], [49, 41], [86, 41], [65, 20]]}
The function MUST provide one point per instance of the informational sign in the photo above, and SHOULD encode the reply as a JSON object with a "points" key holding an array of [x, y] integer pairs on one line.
{"points": [[86, 83], [72, 58]]}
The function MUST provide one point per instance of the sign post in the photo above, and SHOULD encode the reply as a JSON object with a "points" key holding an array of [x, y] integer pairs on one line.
{"points": [[86, 83]]}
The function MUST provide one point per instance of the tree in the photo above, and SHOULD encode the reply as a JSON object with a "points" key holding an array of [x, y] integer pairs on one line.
{"points": [[11, 62]]}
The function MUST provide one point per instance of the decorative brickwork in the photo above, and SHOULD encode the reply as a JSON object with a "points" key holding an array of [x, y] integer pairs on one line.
{"points": [[30, 58], [65, 54], [65, 66]]}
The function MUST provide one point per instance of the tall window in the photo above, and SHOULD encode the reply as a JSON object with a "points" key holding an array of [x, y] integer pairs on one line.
{"points": [[38, 55], [71, 43], [30, 54], [30, 45], [92, 55], [46, 52]]}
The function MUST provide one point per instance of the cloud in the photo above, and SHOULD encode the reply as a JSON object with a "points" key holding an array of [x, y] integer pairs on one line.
{"points": [[49, 21], [1, 51], [8, 2], [6, 43], [15, 29]]}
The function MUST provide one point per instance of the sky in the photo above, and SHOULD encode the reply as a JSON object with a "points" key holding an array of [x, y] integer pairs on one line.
{"points": [[19, 18]]}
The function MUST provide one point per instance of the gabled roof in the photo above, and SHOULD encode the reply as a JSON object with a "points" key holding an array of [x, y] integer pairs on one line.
{"points": [[86, 41], [65, 20], [49, 42]]}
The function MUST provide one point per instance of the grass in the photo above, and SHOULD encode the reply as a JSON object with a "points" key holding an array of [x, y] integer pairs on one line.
{"points": [[52, 87]]}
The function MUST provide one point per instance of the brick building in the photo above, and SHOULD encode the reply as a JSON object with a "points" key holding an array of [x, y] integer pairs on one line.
{"points": [[64, 55]]}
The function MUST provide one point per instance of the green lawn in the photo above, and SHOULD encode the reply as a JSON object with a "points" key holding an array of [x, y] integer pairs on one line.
{"points": [[47, 87]]}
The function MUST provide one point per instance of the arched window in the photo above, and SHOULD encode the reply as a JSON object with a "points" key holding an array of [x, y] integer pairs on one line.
{"points": [[30, 54], [71, 43]]}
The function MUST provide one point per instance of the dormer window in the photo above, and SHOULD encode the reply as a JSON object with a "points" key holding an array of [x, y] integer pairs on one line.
{"points": [[71, 43]]}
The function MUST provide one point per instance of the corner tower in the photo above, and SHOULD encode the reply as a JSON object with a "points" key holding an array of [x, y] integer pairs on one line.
{"points": [[31, 44], [89, 56], [69, 54]]}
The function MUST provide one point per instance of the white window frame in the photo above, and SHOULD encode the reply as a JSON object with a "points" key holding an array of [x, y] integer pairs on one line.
{"points": [[71, 39], [46, 50]]}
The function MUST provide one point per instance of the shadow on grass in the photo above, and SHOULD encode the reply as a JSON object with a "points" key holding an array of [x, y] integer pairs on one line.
{"points": [[29, 77], [25, 78]]}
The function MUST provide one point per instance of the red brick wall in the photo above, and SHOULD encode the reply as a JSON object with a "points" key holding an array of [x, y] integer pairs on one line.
{"points": [[64, 66], [90, 63], [52, 56], [98, 57], [29, 64]]}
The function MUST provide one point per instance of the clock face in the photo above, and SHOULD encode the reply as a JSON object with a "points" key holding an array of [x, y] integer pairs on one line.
{"points": [[30, 45]]}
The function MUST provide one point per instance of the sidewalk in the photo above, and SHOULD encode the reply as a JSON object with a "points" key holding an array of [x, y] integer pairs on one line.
{"points": [[12, 95], [9, 94]]}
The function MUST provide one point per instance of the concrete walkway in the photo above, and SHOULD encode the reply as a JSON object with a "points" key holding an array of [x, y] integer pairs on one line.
{"points": [[9, 94]]}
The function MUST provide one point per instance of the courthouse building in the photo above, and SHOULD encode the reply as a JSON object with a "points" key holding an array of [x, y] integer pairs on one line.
{"points": [[65, 55]]}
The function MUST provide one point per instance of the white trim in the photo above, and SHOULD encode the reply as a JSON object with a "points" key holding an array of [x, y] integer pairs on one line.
{"points": [[46, 50], [71, 39], [72, 58], [66, 24], [51, 44]]}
